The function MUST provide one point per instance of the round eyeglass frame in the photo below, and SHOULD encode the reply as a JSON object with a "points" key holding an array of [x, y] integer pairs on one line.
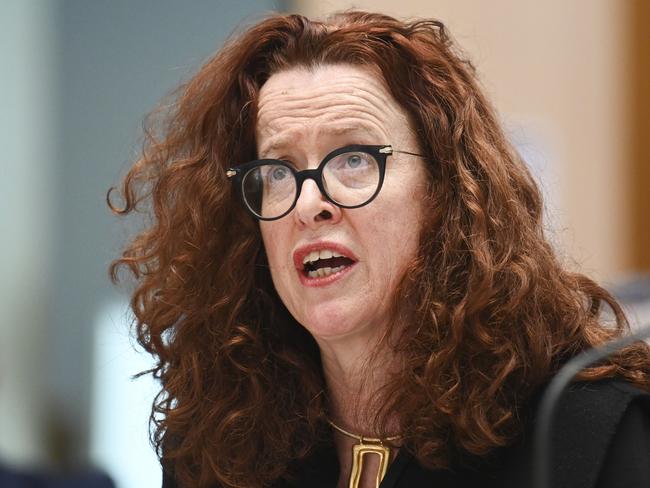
{"points": [[379, 152]]}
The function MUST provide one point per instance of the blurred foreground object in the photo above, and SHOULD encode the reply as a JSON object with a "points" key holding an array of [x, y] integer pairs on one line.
{"points": [[23, 479]]}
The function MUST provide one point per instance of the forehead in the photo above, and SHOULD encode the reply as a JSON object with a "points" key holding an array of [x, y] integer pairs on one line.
{"points": [[327, 102]]}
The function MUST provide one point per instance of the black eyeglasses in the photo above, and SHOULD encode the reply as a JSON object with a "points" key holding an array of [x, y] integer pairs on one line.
{"points": [[349, 177]]}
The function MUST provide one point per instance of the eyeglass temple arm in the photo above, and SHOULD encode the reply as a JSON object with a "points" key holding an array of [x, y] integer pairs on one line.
{"points": [[409, 153]]}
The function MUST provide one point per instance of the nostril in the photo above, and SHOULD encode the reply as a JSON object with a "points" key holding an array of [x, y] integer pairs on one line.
{"points": [[324, 215]]}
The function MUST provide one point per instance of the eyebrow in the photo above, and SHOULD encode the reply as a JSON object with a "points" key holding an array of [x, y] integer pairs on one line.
{"points": [[284, 141]]}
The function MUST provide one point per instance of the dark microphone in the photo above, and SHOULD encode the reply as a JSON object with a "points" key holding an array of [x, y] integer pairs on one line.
{"points": [[542, 446]]}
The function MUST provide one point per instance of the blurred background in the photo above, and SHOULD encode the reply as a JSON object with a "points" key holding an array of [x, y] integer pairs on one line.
{"points": [[568, 78]]}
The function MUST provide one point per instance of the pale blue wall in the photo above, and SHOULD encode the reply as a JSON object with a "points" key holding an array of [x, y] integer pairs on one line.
{"points": [[27, 141], [80, 76]]}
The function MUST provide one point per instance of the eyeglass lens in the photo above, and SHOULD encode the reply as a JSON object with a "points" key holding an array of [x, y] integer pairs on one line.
{"points": [[349, 179]]}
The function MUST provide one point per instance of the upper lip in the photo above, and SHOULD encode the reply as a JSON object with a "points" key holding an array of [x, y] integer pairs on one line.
{"points": [[301, 252]]}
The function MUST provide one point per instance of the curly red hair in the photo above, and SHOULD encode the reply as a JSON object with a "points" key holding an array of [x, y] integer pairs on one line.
{"points": [[488, 313]]}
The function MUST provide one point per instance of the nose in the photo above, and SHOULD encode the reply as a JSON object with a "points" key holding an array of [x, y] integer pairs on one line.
{"points": [[313, 209]]}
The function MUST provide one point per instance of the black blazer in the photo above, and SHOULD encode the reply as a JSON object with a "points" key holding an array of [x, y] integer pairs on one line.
{"points": [[601, 439]]}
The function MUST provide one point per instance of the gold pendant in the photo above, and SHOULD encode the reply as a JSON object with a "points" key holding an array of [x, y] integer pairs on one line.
{"points": [[360, 450]]}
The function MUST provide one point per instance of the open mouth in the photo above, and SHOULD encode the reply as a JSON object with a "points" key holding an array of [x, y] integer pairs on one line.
{"points": [[318, 264]]}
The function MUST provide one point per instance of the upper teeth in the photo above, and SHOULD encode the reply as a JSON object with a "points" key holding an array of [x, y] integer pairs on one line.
{"points": [[322, 254]]}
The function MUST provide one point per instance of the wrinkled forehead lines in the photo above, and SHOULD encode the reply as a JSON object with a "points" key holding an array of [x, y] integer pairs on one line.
{"points": [[305, 97], [302, 83]]}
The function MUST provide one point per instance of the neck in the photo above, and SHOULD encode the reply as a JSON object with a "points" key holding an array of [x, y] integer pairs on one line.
{"points": [[355, 373], [354, 377]]}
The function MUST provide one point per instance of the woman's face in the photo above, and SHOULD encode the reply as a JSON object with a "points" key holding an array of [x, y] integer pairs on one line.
{"points": [[303, 116]]}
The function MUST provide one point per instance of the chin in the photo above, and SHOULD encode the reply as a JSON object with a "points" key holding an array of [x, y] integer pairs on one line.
{"points": [[327, 323]]}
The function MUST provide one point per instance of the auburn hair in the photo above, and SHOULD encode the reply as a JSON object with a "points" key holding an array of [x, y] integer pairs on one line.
{"points": [[488, 311]]}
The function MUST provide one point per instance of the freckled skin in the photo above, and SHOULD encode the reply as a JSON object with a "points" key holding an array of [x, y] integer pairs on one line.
{"points": [[303, 115]]}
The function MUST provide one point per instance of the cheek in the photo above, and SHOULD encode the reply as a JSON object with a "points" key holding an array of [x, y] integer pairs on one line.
{"points": [[400, 248], [272, 245], [393, 243], [277, 250], [395, 234]]}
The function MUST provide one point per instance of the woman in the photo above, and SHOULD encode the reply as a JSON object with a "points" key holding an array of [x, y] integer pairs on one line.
{"points": [[345, 245]]}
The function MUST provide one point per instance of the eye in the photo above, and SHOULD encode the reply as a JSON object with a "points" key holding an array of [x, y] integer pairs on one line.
{"points": [[351, 162], [354, 161], [277, 174]]}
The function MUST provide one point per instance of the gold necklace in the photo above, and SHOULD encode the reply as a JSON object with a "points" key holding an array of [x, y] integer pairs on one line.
{"points": [[367, 445]]}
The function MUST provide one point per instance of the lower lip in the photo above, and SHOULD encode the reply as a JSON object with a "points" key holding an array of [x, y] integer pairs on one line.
{"points": [[325, 280]]}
